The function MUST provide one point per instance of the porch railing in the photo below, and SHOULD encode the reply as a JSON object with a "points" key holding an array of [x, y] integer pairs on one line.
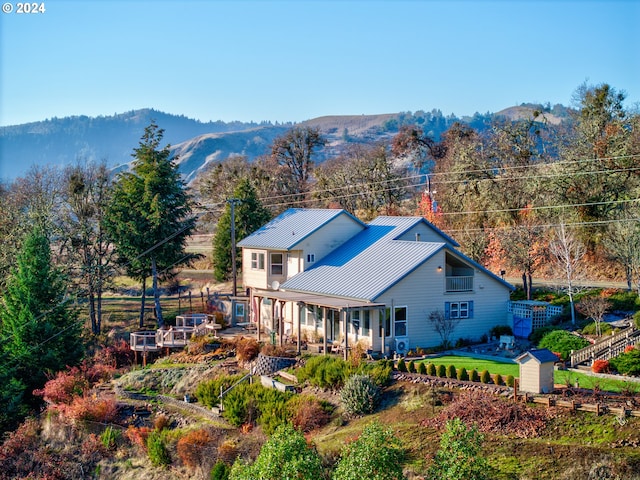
{"points": [[460, 283]]}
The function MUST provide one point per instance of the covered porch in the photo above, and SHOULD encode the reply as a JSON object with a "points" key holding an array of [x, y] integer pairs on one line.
{"points": [[329, 323]]}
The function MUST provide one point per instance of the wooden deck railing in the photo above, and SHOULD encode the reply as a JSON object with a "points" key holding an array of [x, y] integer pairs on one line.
{"points": [[609, 347]]}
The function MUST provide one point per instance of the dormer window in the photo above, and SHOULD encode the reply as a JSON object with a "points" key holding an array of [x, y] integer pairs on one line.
{"points": [[311, 257]]}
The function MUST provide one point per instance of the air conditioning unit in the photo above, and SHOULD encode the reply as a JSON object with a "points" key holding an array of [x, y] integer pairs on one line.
{"points": [[402, 345]]}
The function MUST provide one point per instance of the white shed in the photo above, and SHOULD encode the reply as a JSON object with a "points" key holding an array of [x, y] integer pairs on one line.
{"points": [[536, 371]]}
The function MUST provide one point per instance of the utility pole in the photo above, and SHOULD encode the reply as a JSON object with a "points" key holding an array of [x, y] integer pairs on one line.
{"points": [[233, 202]]}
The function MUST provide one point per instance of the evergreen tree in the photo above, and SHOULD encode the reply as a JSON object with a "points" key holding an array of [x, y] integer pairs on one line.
{"points": [[250, 215], [150, 215], [39, 329]]}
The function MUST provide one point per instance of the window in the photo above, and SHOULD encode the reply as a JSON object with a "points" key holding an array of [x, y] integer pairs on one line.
{"points": [[276, 264], [311, 257], [385, 321], [257, 261], [458, 309], [400, 321], [366, 323]]}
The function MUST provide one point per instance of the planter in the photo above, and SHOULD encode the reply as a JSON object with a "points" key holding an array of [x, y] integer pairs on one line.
{"points": [[270, 382]]}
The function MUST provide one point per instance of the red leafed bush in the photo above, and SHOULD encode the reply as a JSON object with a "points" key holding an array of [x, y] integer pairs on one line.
{"points": [[629, 348], [117, 355], [64, 387], [308, 413], [600, 366], [90, 408], [192, 448], [138, 436]]}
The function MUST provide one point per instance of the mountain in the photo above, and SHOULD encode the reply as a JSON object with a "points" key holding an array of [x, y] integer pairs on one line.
{"points": [[63, 141]]}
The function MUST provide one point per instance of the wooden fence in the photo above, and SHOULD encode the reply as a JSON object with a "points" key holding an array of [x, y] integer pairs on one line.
{"points": [[597, 408], [609, 347]]}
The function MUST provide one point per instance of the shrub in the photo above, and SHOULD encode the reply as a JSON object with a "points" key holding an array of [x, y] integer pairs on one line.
{"points": [[539, 333], [228, 451], [138, 436], [411, 366], [590, 328], [401, 366], [460, 454], [192, 447], [101, 409], [64, 387], [627, 363], [110, 437], [161, 422], [422, 368], [431, 370], [510, 381], [380, 371], [600, 366], [285, 455], [240, 404], [220, 471], [375, 454], [324, 371], [247, 349], [157, 450], [474, 377], [485, 376], [497, 379], [359, 395], [463, 375], [208, 392], [451, 371], [272, 408], [500, 330], [562, 342], [629, 348], [308, 413], [636, 319], [441, 371]]}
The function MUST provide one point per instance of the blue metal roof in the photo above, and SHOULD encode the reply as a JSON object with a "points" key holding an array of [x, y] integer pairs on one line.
{"points": [[291, 227], [405, 223], [543, 355], [368, 264]]}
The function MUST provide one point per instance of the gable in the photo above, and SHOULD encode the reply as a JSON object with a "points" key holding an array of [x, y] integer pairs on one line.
{"points": [[295, 225]]}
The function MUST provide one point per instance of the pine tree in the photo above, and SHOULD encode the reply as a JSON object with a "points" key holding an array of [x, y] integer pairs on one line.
{"points": [[150, 215], [39, 329], [250, 215]]}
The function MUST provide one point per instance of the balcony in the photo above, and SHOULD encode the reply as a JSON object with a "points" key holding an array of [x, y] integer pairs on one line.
{"points": [[459, 284]]}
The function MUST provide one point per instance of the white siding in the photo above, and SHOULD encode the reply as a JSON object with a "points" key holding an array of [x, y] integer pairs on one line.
{"points": [[529, 376], [423, 291], [254, 278], [326, 239]]}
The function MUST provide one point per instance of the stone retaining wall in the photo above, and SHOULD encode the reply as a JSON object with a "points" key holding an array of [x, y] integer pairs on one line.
{"points": [[452, 383], [264, 365]]}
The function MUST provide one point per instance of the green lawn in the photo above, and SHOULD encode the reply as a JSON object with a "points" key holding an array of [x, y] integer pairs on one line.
{"points": [[560, 376]]}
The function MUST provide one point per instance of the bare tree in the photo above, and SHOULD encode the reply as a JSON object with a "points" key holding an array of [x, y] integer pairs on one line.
{"points": [[567, 251], [622, 242], [594, 308], [444, 325]]}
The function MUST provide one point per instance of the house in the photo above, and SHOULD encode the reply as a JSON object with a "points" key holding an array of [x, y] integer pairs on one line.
{"points": [[324, 274], [536, 370]]}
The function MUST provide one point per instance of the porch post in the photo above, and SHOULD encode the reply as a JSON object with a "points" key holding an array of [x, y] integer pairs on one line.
{"points": [[324, 329], [346, 333], [258, 326], [281, 322], [299, 334]]}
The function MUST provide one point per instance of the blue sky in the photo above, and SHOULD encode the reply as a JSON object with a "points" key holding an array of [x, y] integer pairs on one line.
{"points": [[295, 60]]}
